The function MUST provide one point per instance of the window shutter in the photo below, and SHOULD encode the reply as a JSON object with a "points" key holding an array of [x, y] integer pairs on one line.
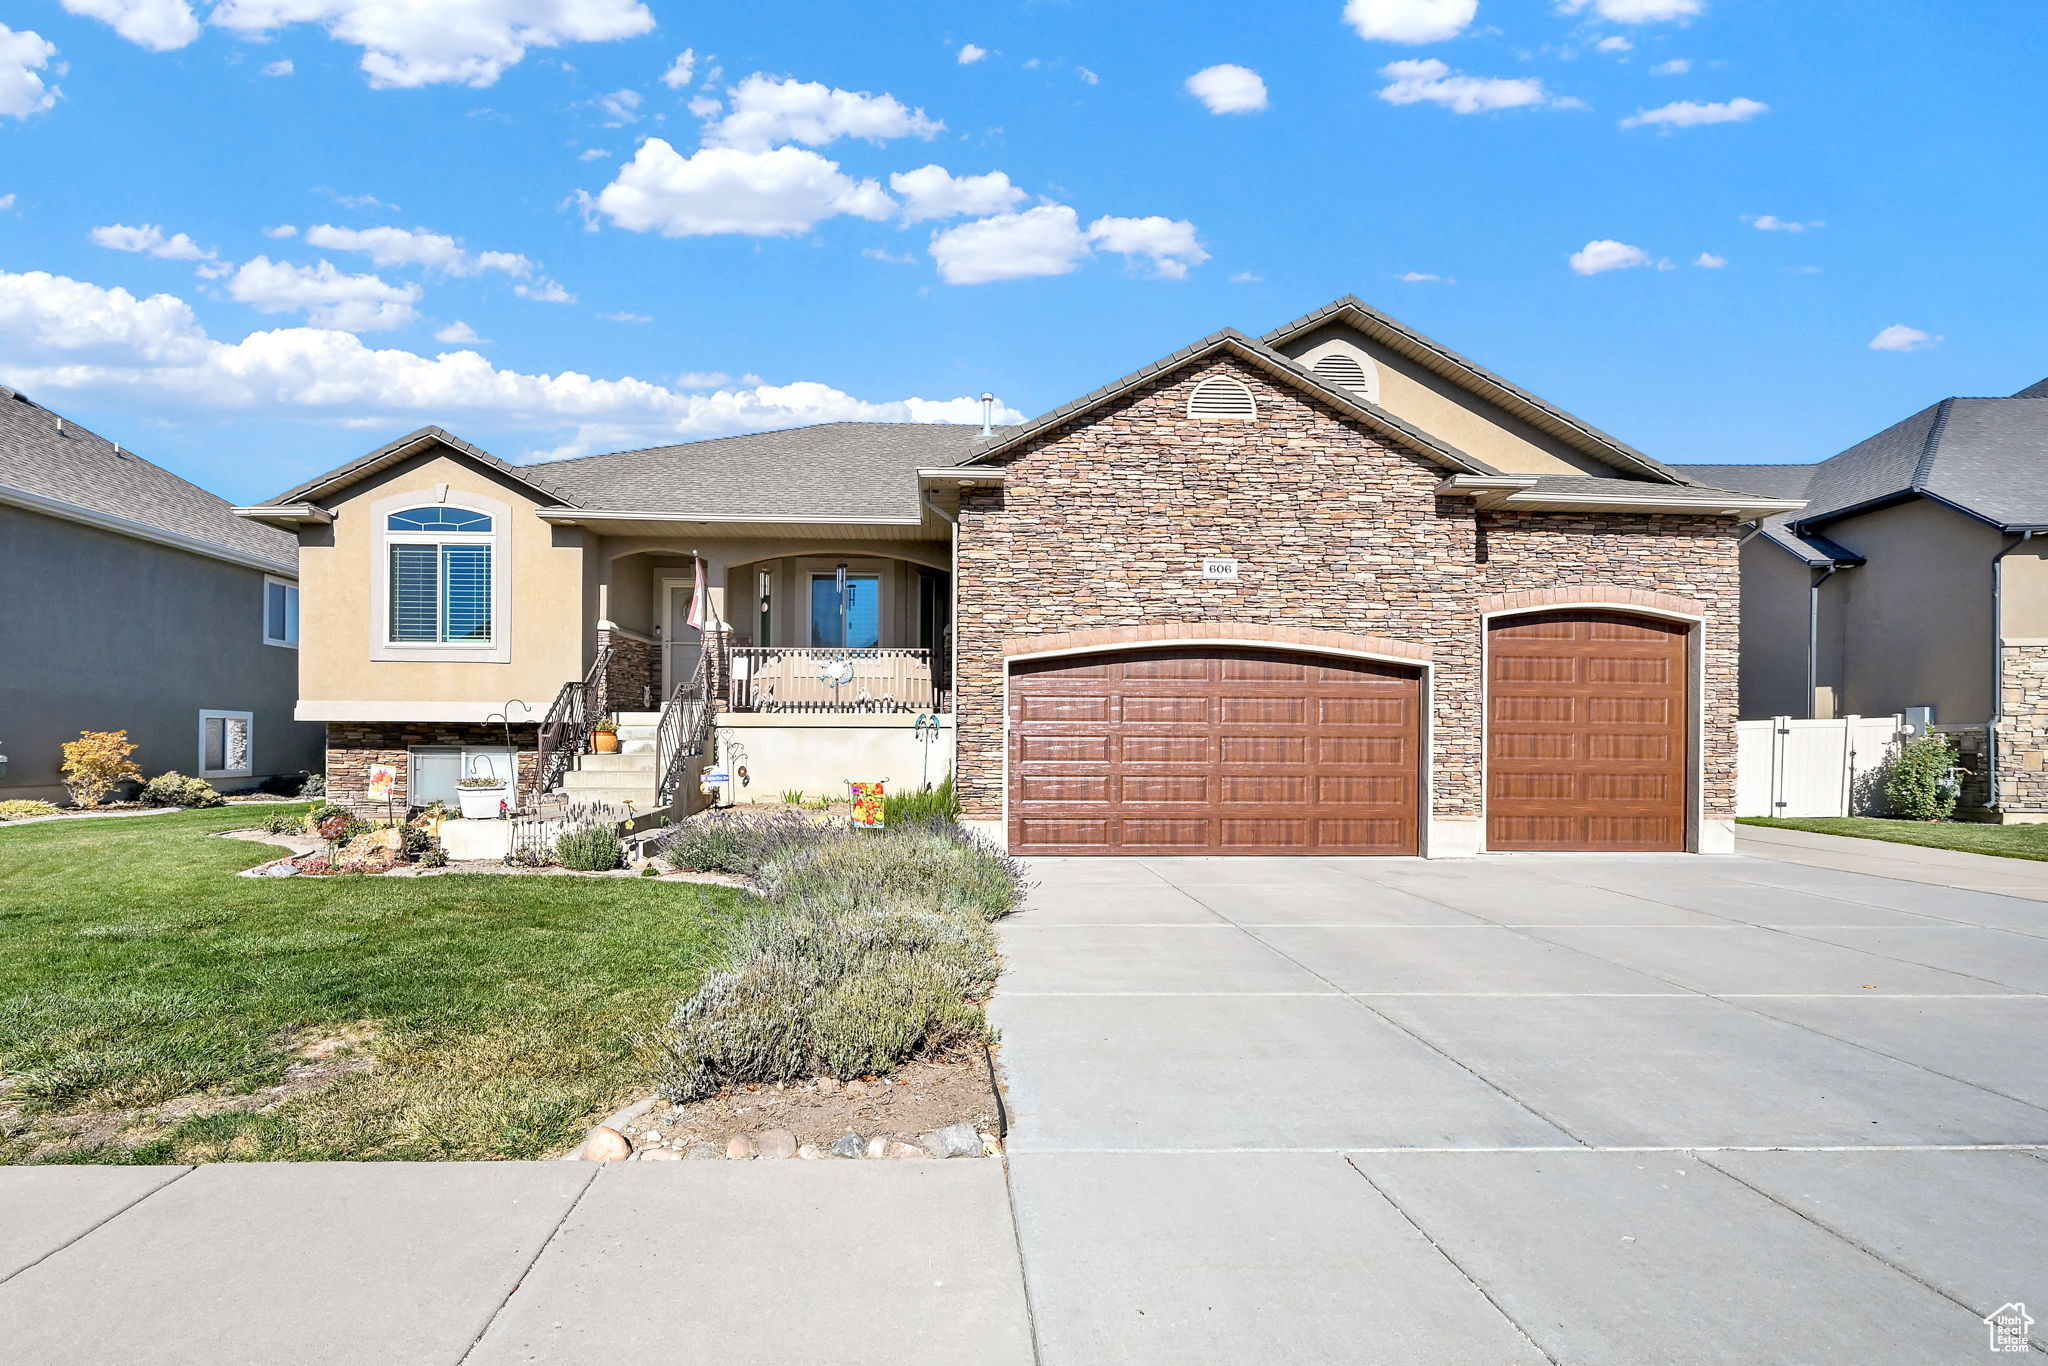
{"points": [[1220, 396]]}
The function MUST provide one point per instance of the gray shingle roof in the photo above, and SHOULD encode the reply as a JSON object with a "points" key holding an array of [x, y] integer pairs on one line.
{"points": [[81, 468], [2039, 389], [1564, 485]]}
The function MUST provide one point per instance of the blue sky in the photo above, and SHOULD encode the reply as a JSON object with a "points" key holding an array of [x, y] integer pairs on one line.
{"points": [[540, 224]]}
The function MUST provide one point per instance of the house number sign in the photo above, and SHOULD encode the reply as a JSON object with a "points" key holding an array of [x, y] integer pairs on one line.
{"points": [[1219, 568]]}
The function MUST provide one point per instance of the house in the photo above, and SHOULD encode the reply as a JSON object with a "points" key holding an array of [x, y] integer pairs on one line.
{"points": [[1331, 590], [1914, 577], [136, 601]]}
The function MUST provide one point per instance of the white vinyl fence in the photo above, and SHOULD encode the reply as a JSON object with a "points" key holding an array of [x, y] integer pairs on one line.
{"points": [[1812, 768]]}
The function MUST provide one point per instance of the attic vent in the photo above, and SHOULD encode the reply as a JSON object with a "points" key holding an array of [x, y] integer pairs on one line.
{"points": [[1220, 396], [1340, 369]]}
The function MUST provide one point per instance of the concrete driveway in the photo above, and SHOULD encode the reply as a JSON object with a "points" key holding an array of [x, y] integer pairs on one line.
{"points": [[1518, 1109]]}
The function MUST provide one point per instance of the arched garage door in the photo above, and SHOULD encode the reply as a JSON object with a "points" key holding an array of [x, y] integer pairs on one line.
{"points": [[1587, 732], [1214, 751]]}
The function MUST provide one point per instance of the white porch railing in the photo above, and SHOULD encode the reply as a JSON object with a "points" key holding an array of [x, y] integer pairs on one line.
{"points": [[822, 678]]}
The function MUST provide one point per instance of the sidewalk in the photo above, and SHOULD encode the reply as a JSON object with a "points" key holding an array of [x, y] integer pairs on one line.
{"points": [[2025, 878]]}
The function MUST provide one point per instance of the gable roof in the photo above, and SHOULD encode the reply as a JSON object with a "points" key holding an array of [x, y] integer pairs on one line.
{"points": [[52, 465], [395, 452], [2038, 389], [1468, 374]]}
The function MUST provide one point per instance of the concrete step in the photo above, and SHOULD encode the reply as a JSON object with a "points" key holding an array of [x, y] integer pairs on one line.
{"points": [[641, 795], [647, 732], [638, 761], [637, 718], [636, 746]]}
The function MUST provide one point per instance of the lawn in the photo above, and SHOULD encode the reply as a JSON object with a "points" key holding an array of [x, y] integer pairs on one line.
{"points": [[2006, 841], [499, 1014]]}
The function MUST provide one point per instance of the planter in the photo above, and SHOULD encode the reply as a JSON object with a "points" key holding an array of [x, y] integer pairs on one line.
{"points": [[604, 741], [481, 803]]}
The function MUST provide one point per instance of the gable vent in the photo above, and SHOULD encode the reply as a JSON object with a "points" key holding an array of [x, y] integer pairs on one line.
{"points": [[1338, 368], [1220, 396]]}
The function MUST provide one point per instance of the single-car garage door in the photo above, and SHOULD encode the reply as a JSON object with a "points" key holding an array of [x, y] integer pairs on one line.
{"points": [[1214, 751], [1586, 742]]}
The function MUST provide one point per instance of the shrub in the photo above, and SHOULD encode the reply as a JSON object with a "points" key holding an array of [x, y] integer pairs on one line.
{"points": [[928, 806], [1920, 783], [96, 763], [326, 818], [24, 810], [734, 843], [175, 789], [590, 848], [792, 796], [314, 786], [285, 823], [941, 868]]}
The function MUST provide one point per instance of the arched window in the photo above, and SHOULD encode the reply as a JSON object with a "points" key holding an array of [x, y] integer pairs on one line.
{"points": [[441, 518], [440, 576], [1221, 396]]}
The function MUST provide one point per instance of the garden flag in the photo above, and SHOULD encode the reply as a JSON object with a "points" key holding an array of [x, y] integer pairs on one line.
{"points": [[700, 604], [383, 778], [867, 806]]}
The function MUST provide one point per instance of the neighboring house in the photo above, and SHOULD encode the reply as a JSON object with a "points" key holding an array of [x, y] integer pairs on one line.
{"points": [[133, 600], [1915, 576], [1332, 590]]}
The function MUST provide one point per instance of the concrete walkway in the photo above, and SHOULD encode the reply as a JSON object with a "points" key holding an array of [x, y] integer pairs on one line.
{"points": [[1524, 1109], [2019, 877]]}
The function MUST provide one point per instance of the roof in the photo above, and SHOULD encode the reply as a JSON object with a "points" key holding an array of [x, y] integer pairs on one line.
{"points": [[56, 466], [392, 453], [1434, 355], [2036, 390]]}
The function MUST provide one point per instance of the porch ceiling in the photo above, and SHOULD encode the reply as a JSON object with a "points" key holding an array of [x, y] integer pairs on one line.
{"points": [[710, 528]]}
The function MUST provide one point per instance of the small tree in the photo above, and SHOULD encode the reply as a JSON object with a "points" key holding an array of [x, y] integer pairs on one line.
{"points": [[1921, 784], [96, 763]]}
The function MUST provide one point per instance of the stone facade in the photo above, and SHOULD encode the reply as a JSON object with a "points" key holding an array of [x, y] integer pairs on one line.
{"points": [[1103, 522], [2023, 729], [353, 746], [632, 682]]}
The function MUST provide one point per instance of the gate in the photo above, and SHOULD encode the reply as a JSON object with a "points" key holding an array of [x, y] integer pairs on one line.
{"points": [[1785, 767]]}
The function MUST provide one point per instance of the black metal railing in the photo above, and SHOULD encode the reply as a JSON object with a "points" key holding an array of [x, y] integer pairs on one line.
{"points": [[684, 730], [565, 730], [824, 678]]}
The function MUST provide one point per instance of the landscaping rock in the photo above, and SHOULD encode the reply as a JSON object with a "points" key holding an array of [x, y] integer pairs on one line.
{"points": [[739, 1147], [829, 1086], [878, 1146], [906, 1150], [388, 842], [606, 1145], [775, 1143], [991, 1146], [810, 1152], [703, 1152], [849, 1145], [955, 1140], [661, 1155]]}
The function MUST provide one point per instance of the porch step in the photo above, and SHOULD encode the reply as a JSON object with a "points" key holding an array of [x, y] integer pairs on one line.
{"points": [[636, 746], [639, 761], [609, 787], [642, 798], [637, 732], [637, 718]]}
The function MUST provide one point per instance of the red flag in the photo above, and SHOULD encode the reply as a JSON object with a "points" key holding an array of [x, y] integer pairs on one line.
{"points": [[700, 601]]}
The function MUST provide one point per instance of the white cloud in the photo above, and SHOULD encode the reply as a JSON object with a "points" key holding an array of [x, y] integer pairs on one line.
{"points": [[24, 54], [61, 335], [1899, 337], [1246, 277], [704, 106], [1677, 66], [1087, 77], [681, 69], [281, 67], [159, 25], [1770, 222], [1692, 113], [545, 290], [970, 54], [619, 108], [1168, 245], [766, 111], [468, 42], [1614, 43], [6, 203], [893, 258], [1430, 81], [1607, 254], [416, 247], [630, 318], [458, 334], [776, 193], [1708, 261], [1228, 89], [1634, 11], [328, 298], [592, 154], [360, 201], [934, 192], [149, 238], [1409, 21], [281, 230], [1423, 277], [1046, 240]]}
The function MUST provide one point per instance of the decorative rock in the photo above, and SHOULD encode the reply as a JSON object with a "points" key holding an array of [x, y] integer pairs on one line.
{"points": [[606, 1144], [955, 1140], [661, 1155], [991, 1146], [739, 1147], [878, 1146], [861, 1090], [701, 1153], [775, 1143], [906, 1150], [810, 1152], [829, 1086], [849, 1145]]}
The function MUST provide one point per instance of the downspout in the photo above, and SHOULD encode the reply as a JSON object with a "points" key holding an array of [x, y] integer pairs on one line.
{"points": [[1813, 640], [1991, 801]]}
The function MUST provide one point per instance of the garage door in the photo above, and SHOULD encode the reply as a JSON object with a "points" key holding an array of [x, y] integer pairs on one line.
{"points": [[1586, 733], [1213, 752]]}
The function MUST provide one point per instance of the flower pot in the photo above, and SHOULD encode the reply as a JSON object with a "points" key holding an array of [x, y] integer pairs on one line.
{"points": [[481, 803], [604, 741]]}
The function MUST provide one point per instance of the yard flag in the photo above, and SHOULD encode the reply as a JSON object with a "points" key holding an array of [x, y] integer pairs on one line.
{"points": [[700, 601]]}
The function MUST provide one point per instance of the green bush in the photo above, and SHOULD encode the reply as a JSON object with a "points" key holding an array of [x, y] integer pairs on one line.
{"points": [[314, 786], [940, 868], [22, 810], [321, 811], [175, 789], [928, 806], [591, 848], [735, 843], [1920, 783], [285, 823]]}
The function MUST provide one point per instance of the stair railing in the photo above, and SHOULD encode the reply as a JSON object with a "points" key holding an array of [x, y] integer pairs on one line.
{"points": [[565, 730], [684, 731]]}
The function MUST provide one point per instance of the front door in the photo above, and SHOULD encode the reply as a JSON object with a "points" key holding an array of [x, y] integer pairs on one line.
{"points": [[683, 643]]}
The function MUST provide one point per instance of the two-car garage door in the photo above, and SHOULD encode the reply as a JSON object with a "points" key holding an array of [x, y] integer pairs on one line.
{"points": [[1207, 750]]}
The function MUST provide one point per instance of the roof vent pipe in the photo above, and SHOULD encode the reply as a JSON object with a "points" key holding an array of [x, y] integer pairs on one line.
{"points": [[988, 416]]}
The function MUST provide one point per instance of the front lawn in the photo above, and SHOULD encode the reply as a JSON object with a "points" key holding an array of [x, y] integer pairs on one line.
{"points": [[142, 984], [2006, 841]]}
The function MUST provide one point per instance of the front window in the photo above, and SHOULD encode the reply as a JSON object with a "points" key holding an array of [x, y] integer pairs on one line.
{"points": [[225, 744], [280, 612], [851, 618], [441, 590]]}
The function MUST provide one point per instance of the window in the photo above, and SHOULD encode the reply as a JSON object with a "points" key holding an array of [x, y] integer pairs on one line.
{"points": [[225, 743], [440, 576], [280, 612], [855, 623], [766, 617], [1222, 397], [435, 769]]}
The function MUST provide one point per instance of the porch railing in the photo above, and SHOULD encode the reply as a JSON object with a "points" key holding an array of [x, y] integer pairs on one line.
{"points": [[821, 678], [565, 730], [684, 729]]}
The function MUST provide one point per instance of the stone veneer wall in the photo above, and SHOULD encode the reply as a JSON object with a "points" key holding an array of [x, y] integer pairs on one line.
{"points": [[1969, 741], [633, 680], [1103, 523], [2023, 729], [353, 746]]}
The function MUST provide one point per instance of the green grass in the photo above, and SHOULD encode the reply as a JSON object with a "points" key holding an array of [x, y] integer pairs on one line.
{"points": [[502, 1012], [2006, 841]]}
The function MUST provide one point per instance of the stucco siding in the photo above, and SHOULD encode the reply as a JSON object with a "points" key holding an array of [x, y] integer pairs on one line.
{"points": [[100, 631], [1774, 631]]}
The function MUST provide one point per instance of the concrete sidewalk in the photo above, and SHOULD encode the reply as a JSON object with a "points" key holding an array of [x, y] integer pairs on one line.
{"points": [[391, 1264], [2016, 877]]}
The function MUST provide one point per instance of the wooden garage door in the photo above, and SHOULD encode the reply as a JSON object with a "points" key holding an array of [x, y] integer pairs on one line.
{"points": [[1207, 751], [1586, 733]]}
